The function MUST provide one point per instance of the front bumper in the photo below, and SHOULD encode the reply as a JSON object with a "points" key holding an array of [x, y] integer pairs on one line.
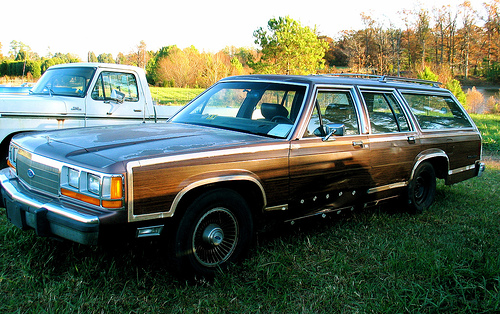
{"points": [[47, 216]]}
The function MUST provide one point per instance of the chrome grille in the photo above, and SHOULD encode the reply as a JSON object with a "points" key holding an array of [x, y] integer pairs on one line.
{"points": [[37, 175]]}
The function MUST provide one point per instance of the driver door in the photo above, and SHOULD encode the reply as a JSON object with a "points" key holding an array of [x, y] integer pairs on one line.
{"points": [[330, 172], [114, 99]]}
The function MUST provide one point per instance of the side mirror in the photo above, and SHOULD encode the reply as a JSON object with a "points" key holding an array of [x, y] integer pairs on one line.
{"points": [[333, 129], [117, 96]]}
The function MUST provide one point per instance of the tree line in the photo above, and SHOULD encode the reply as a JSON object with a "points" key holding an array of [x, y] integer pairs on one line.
{"points": [[452, 41]]}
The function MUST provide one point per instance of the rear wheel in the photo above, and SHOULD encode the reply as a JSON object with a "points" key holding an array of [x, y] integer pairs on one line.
{"points": [[422, 188], [215, 231]]}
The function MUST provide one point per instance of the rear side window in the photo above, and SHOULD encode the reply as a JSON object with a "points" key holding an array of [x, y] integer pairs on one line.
{"points": [[386, 115], [437, 112]]}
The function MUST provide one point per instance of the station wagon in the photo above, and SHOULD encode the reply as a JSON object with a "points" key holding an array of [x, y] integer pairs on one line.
{"points": [[248, 149]]}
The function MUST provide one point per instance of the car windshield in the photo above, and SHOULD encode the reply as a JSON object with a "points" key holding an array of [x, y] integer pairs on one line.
{"points": [[64, 82], [262, 108]]}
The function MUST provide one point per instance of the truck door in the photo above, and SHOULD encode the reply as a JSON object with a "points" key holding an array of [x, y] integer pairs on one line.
{"points": [[331, 172], [115, 99]]}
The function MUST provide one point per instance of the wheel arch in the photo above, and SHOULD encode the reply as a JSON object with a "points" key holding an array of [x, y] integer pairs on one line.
{"points": [[250, 189], [437, 158]]}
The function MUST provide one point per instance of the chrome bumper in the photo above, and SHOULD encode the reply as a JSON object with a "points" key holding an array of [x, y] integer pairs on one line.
{"points": [[47, 216], [480, 167]]}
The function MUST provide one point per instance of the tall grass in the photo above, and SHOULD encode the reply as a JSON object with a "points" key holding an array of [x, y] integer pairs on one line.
{"points": [[379, 260]]}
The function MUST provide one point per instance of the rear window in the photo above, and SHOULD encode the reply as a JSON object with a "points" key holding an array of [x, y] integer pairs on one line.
{"points": [[437, 111]]}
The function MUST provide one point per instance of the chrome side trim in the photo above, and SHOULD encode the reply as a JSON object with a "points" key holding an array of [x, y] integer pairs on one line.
{"points": [[209, 154], [461, 169], [276, 208], [387, 187]]}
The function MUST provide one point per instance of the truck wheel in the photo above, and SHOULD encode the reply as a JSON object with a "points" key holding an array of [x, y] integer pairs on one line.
{"points": [[422, 188], [215, 231]]}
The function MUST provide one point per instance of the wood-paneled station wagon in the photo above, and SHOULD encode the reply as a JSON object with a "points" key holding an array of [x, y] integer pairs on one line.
{"points": [[246, 148]]}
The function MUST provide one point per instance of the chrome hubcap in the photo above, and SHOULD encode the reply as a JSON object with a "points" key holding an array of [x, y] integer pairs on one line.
{"points": [[213, 235]]}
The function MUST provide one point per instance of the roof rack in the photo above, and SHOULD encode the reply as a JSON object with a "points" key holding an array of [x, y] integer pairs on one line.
{"points": [[386, 78]]}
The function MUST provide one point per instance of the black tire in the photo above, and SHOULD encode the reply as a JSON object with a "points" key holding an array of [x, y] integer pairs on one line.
{"points": [[216, 230], [422, 188]]}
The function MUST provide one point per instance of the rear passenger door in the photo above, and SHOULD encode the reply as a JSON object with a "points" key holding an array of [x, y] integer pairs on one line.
{"points": [[394, 142]]}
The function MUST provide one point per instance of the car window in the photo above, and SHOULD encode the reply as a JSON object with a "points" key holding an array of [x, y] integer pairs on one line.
{"points": [[385, 113], [109, 83], [437, 111], [333, 107]]}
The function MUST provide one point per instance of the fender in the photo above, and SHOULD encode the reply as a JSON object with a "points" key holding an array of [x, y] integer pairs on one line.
{"points": [[198, 181]]}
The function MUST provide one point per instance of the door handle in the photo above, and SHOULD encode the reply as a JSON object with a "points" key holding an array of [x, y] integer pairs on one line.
{"points": [[358, 144], [411, 139]]}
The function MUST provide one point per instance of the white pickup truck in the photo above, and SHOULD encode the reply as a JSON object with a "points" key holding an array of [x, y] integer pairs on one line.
{"points": [[80, 95]]}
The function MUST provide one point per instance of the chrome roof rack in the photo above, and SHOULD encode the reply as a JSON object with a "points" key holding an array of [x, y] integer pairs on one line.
{"points": [[387, 78]]}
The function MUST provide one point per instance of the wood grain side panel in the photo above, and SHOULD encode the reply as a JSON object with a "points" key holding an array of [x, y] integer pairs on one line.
{"points": [[155, 186]]}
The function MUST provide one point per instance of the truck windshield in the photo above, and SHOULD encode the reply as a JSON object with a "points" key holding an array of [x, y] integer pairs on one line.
{"points": [[64, 82], [262, 108]]}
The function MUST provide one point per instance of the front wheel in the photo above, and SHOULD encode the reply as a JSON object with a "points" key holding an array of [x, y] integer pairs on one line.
{"points": [[422, 188], [216, 230]]}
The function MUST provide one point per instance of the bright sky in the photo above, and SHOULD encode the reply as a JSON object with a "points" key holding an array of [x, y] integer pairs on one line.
{"points": [[111, 26]]}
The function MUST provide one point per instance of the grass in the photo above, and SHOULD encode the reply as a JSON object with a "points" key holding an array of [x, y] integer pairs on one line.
{"points": [[379, 260], [489, 125], [174, 96]]}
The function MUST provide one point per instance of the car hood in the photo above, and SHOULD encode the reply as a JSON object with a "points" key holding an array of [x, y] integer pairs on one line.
{"points": [[101, 147], [32, 104]]}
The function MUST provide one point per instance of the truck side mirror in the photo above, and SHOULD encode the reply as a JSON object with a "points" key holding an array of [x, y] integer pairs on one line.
{"points": [[117, 96]]}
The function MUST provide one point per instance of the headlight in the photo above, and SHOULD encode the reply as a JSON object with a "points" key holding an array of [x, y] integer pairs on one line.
{"points": [[13, 150], [93, 184], [98, 189], [74, 178]]}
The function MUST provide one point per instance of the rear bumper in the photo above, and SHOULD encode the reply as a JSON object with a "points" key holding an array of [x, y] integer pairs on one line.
{"points": [[480, 167], [47, 216]]}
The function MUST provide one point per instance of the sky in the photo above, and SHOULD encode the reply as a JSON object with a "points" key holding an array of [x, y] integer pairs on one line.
{"points": [[104, 26]]}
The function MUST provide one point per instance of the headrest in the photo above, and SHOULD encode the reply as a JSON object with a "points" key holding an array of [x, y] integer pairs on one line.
{"points": [[270, 111]]}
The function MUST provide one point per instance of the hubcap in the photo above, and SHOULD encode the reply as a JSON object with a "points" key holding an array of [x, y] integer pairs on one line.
{"points": [[215, 237]]}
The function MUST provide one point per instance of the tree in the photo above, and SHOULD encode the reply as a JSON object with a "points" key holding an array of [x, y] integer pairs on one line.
{"points": [[105, 58], [289, 48], [468, 18], [91, 57]]}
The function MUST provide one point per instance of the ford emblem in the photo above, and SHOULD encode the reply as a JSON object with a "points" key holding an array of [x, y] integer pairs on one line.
{"points": [[31, 173]]}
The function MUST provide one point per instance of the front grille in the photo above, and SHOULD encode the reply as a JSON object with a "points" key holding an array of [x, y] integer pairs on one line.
{"points": [[37, 175]]}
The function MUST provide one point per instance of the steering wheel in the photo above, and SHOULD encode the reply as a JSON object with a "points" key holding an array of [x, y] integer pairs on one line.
{"points": [[281, 119]]}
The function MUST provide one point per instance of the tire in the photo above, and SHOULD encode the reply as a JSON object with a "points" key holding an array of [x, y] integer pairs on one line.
{"points": [[216, 230], [422, 188]]}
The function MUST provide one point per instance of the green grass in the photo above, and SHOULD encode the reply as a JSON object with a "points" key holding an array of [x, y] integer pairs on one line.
{"points": [[489, 125], [174, 96], [379, 260]]}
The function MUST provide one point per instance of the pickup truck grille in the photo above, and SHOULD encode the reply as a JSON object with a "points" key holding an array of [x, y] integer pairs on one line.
{"points": [[37, 175]]}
